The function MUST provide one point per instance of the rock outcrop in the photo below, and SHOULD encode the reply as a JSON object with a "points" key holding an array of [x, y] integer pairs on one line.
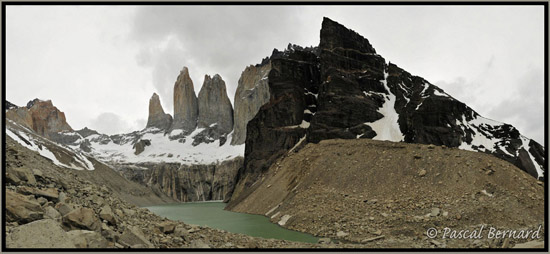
{"points": [[186, 108], [157, 117], [40, 116], [139, 146], [345, 90], [214, 105], [252, 92], [8, 105]]}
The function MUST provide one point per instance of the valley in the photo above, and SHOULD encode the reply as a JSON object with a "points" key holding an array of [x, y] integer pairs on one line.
{"points": [[329, 146]]}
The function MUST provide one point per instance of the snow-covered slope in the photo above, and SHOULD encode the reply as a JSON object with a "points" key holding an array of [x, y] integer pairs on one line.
{"points": [[159, 147], [60, 155]]}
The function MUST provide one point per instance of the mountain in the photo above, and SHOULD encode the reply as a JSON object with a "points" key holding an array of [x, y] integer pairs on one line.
{"points": [[186, 108], [157, 118], [343, 89], [186, 161], [40, 116]]}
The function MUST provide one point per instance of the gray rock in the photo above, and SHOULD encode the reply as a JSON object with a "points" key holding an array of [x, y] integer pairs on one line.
{"points": [[325, 240], [20, 174], [87, 239], [62, 197], [166, 227], [133, 236], [107, 214], [39, 234], [64, 208], [82, 218], [49, 193], [157, 117], [51, 213], [434, 212], [214, 105], [186, 108], [252, 93], [42, 200], [180, 231], [198, 244], [129, 212], [341, 234], [139, 146], [21, 208], [422, 173]]}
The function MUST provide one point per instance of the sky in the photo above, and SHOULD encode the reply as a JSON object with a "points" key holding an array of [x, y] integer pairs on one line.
{"points": [[101, 64]]}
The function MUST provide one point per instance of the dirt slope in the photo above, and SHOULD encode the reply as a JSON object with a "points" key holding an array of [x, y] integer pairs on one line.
{"points": [[354, 190]]}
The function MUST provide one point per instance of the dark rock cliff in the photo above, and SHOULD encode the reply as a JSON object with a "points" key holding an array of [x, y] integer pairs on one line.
{"points": [[343, 89]]}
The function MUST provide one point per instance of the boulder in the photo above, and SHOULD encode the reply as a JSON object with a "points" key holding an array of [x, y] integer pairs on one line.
{"points": [[51, 213], [157, 117], [87, 239], [15, 175], [45, 233], [198, 244], [107, 214], [166, 227], [50, 193], [180, 231], [186, 108], [21, 208], [82, 218], [64, 208], [139, 146], [132, 237]]}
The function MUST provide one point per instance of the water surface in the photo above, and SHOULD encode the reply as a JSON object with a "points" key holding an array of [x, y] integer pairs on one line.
{"points": [[211, 214]]}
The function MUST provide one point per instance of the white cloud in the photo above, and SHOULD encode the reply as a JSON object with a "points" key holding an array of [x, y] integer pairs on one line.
{"points": [[91, 59]]}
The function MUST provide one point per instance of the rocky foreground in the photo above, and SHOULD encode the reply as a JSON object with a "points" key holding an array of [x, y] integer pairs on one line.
{"points": [[387, 195], [53, 207]]}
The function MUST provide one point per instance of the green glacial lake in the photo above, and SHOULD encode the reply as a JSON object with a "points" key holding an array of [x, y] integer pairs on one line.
{"points": [[211, 214]]}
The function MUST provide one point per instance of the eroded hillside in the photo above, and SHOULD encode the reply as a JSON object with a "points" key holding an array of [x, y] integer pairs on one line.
{"points": [[359, 190]]}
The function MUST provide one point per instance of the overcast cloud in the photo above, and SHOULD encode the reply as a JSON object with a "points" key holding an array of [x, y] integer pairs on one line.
{"points": [[101, 64]]}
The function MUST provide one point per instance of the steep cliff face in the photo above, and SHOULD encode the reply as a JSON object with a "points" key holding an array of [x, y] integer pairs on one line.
{"points": [[186, 108], [187, 183], [157, 118], [215, 111], [344, 89], [282, 122], [214, 105], [252, 92]]}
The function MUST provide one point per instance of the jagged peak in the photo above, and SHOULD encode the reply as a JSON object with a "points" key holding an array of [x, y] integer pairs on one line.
{"points": [[335, 35]]}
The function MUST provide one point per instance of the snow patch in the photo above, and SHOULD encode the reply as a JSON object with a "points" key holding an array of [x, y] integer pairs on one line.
{"points": [[438, 93], [284, 219], [297, 144], [387, 128], [525, 145]]}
